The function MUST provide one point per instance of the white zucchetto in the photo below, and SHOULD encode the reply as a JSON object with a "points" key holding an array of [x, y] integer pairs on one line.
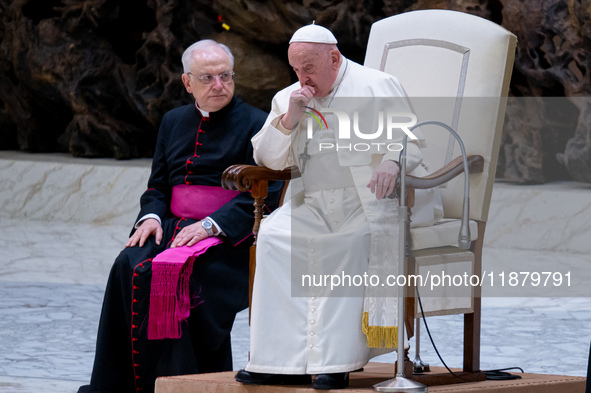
{"points": [[315, 34]]}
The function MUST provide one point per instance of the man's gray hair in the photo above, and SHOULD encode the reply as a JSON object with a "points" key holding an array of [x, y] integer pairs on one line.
{"points": [[199, 45]]}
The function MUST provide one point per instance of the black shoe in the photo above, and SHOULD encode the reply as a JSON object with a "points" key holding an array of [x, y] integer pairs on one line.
{"points": [[250, 378], [331, 381], [84, 389]]}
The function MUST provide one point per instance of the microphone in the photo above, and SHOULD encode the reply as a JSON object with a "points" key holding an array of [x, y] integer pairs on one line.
{"points": [[464, 237]]}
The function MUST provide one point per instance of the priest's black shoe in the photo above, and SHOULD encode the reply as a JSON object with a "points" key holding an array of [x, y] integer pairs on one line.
{"points": [[331, 381], [250, 378]]}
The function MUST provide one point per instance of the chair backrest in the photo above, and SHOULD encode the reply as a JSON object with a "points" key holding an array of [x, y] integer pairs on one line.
{"points": [[455, 68]]}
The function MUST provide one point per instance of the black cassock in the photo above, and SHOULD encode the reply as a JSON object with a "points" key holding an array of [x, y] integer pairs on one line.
{"points": [[191, 149]]}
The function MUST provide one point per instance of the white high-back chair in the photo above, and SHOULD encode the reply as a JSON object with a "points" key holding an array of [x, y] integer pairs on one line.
{"points": [[455, 68]]}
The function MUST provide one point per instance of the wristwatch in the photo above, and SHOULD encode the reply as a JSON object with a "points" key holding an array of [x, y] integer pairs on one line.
{"points": [[208, 226]]}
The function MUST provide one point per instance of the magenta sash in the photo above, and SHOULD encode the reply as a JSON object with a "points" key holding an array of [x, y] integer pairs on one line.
{"points": [[198, 201], [170, 302]]}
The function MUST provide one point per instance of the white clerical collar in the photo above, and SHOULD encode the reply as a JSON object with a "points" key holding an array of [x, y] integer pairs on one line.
{"points": [[203, 113]]}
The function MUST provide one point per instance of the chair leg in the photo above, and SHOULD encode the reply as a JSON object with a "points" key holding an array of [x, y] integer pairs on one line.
{"points": [[419, 365], [472, 339], [472, 321]]}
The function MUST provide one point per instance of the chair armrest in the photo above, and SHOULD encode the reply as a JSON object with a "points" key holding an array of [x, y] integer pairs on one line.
{"points": [[446, 173], [256, 179], [244, 177]]}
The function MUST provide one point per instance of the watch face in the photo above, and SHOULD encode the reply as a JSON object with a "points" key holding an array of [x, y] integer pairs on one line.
{"points": [[208, 226]]}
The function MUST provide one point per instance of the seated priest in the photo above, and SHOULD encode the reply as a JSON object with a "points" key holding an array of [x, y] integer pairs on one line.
{"points": [[174, 291], [339, 225]]}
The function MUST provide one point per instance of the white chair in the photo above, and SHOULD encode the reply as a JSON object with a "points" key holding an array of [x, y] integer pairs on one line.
{"points": [[455, 68]]}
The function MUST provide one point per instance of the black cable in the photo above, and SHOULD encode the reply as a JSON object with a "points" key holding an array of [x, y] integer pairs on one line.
{"points": [[495, 375], [431, 338], [501, 375]]}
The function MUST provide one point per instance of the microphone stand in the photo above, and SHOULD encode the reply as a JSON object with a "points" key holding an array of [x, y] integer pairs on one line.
{"points": [[400, 383]]}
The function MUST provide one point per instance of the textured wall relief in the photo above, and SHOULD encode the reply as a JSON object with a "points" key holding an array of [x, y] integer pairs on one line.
{"points": [[94, 77]]}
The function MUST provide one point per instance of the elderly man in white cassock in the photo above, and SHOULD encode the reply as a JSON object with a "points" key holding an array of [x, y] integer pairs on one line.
{"points": [[317, 308]]}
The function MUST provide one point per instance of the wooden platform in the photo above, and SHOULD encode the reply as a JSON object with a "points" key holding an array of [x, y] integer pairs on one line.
{"points": [[364, 381]]}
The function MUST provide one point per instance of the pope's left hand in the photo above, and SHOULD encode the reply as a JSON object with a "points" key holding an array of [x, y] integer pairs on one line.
{"points": [[189, 235], [383, 180]]}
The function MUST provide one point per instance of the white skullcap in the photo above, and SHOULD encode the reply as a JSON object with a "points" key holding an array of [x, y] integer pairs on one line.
{"points": [[313, 33]]}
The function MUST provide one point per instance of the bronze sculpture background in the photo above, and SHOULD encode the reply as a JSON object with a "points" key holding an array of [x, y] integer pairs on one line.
{"points": [[94, 77]]}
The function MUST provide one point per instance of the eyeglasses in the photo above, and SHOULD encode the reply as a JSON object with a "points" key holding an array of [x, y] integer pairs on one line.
{"points": [[208, 79]]}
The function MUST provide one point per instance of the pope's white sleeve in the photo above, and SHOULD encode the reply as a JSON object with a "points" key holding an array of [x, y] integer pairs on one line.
{"points": [[272, 147], [413, 156]]}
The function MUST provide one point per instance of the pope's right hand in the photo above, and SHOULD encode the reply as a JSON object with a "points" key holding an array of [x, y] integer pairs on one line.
{"points": [[147, 228], [297, 99]]}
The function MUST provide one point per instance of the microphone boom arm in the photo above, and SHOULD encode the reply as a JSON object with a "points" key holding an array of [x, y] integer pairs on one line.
{"points": [[464, 238]]}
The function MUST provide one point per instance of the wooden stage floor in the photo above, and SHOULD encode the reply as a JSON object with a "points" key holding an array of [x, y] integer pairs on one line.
{"points": [[364, 381]]}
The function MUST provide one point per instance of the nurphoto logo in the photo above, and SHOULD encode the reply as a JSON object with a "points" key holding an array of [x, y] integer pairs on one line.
{"points": [[317, 116], [393, 121]]}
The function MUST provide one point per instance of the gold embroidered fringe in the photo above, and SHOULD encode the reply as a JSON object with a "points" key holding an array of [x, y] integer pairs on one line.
{"points": [[379, 336]]}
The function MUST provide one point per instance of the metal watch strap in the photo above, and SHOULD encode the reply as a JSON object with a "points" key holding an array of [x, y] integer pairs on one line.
{"points": [[208, 226]]}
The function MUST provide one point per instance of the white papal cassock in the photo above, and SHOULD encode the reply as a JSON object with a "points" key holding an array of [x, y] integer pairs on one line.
{"points": [[334, 226]]}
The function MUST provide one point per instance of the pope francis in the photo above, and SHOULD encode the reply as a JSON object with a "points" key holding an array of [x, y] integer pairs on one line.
{"points": [[320, 304]]}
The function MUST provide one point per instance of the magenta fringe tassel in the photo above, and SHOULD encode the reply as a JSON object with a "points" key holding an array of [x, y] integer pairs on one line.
{"points": [[170, 302]]}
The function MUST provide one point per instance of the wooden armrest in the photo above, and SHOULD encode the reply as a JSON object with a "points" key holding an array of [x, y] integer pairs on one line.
{"points": [[243, 177], [256, 179], [446, 173]]}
